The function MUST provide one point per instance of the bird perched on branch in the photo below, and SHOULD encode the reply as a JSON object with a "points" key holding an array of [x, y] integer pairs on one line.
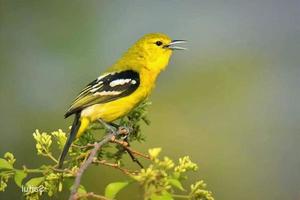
{"points": [[122, 87]]}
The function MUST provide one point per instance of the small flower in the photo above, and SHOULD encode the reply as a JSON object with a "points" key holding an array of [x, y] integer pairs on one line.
{"points": [[146, 175], [185, 164], [60, 137], [43, 142], [10, 158], [198, 191], [167, 163], [3, 185], [52, 176], [153, 153]]}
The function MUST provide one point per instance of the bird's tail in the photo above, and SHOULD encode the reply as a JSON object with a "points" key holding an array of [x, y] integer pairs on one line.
{"points": [[73, 133]]}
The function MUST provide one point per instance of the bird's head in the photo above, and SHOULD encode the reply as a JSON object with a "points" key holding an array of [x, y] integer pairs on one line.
{"points": [[156, 49]]}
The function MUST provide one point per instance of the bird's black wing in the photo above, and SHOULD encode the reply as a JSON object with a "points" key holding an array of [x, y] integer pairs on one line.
{"points": [[106, 88]]}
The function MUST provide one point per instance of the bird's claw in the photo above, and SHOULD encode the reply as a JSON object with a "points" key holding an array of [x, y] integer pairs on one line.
{"points": [[125, 132]]}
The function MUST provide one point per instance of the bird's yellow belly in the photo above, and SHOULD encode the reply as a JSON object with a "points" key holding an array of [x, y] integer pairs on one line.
{"points": [[113, 110]]}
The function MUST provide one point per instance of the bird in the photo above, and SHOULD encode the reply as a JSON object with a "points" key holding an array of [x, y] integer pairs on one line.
{"points": [[122, 87]]}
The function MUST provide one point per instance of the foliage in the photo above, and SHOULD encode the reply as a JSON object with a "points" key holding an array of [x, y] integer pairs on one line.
{"points": [[163, 177], [159, 181]]}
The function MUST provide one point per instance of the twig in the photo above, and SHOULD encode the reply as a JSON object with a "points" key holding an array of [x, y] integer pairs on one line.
{"points": [[180, 196], [84, 146], [62, 170], [85, 164], [32, 170], [114, 165], [125, 145], [90, 194], [50, 156]]}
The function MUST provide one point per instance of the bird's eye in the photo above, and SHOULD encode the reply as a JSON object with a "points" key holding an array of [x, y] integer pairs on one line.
{"points": [[158, 43]]}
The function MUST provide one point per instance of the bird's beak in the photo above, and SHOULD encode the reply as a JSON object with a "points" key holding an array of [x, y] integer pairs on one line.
{"points": [[172, 45]]}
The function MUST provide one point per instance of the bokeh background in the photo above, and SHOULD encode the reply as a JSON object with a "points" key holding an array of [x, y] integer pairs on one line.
{"points": [[231, 101]]}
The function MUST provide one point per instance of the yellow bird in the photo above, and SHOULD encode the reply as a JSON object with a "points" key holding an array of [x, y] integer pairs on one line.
{"points": [[122, 87]]}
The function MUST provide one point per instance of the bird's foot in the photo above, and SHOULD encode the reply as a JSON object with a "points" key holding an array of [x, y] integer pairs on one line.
{"points": [[111, 129], [125, 132]]}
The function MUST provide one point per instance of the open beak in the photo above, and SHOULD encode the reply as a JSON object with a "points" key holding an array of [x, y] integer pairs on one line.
{"points": [[173, 43]]}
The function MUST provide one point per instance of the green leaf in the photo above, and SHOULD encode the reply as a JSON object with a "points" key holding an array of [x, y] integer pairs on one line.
{"points": [[113, 189], [35, 181], [68, 183], [164, 196], [4, 164], [176, 183], [81, 189], [19, 177]]}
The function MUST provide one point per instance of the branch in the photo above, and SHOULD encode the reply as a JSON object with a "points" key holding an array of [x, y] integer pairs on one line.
{"points": [[109, 137], [85, 164]]}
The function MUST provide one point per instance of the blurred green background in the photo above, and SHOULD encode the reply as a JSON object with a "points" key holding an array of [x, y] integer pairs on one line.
{"points": [[231, 101]]}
